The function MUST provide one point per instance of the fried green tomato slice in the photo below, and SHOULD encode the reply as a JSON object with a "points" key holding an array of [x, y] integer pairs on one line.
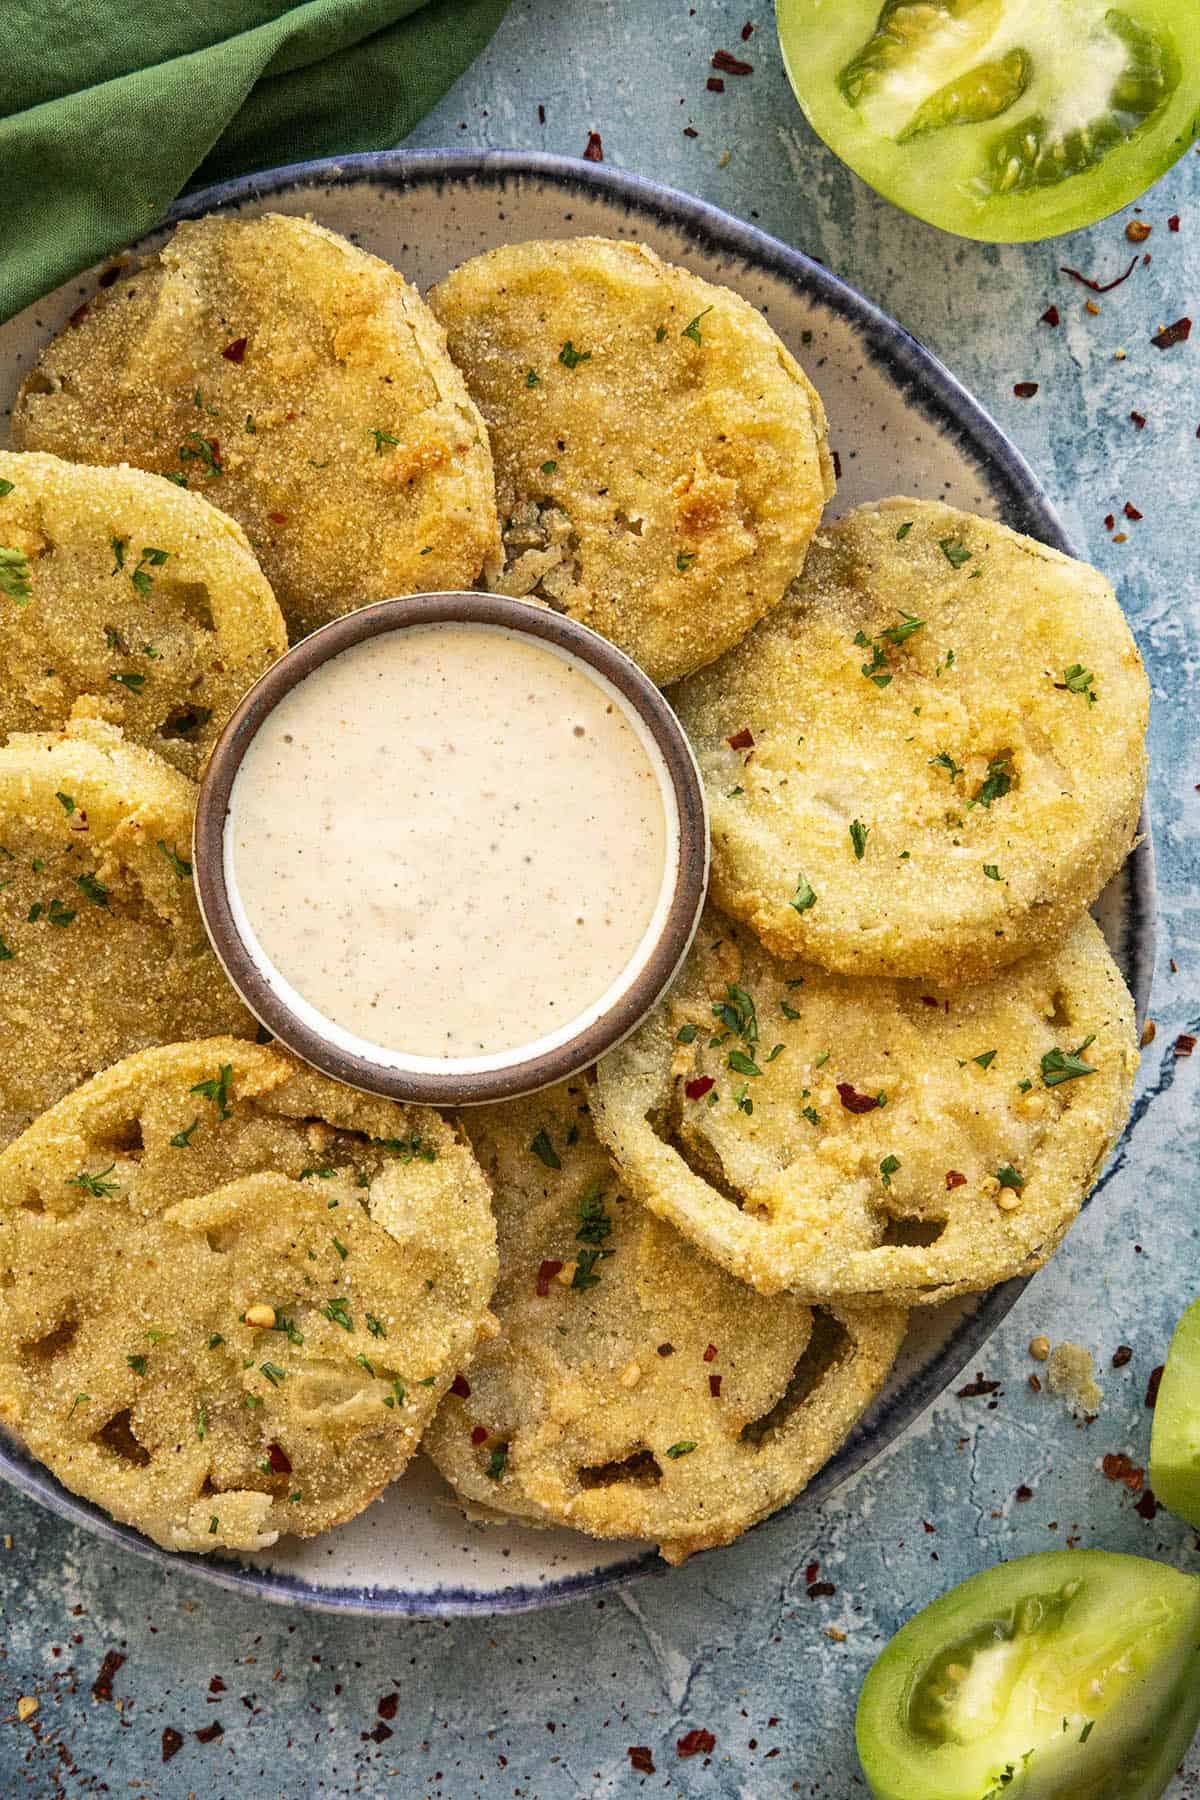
{"points": [[930, 759], [661, 459], [220, 1361], [298, 383], [116, 585], [635, 1389], [872, 1140], [102, 951]]}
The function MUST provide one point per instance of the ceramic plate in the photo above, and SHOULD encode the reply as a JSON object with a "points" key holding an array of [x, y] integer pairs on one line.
{"points": [[900, 424]]}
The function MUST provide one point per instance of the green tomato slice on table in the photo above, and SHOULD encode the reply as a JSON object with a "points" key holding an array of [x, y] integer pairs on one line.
{"points": [[1069, 1675], [999, 119], [1175, 1440]]}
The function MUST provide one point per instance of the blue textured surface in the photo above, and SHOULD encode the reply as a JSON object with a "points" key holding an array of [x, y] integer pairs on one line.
{"points": [[547, 1706]]}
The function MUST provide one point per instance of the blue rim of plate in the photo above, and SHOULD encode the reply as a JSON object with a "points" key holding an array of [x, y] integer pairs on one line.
{"points": [[929, 386]]}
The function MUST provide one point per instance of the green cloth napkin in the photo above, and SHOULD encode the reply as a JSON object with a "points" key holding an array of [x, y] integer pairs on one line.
{"points": [[113, 107]]}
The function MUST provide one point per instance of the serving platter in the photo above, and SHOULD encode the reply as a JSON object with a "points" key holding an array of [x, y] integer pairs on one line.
{"points": [[900, 423]]}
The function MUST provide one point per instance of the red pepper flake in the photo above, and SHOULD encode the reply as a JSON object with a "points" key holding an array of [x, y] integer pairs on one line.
{"points": [[820, 1590], [1051, 316], [979, 1386], [216, 1685], [710, 1355], [690, 131], [546, 1274], [696, 1743], [208, 1734], [379, 1734], [928, 1529], [853, 1101], [102, 1687], [1024, 1493], [714, 1386], [1153, 1385], [1121, 1355], [594, 151], [641, 1758], [172, 1742], [1109, 521], [461, 1386], [696, 1090], [1139, 419], [1100, 287], [954, 1178], [1147, 1506], [747, 31], [479, 1435], [279, 1459], [277, 518], [235, 352], [1170, 335], [1025, 390], [387, 1707], [1118, 1467], [715, 85], [811, 1573], [741, 740], [1185, 1043], [1131, 511], [1173, 222], [731, 65]]}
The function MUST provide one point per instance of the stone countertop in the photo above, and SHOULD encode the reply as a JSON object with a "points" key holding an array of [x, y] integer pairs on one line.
{"points": [[547, 1706]]}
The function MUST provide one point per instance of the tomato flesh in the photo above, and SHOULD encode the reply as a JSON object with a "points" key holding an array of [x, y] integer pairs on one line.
{"points": [[1175, 1440], [1069, 1675], [999, 119]]}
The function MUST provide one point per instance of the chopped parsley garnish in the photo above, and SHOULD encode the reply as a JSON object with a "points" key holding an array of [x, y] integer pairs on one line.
{"points": [[66, 802], [75, 1402], [218, 1090], [811, 1114], [322, 1174], [364, 1363], [570, 357], [584, 1266], [804, 896], [737, 1013], [150, 558], [180, 864], [532, 378], [183, 1139], [789, 1012], [94, 1182], [15, 580], [776, 1050], [137, 1364], [741, 1064], [1086, 1733], [250, 426], [991, 871], [943, 760], [858, 837], [878, 669], [544, 1150], [997, 783], [6, 955], [742, 1100], [692, 330], [887, 1169], [201, 1423], [687, 1034], [1078, 680], [498, 1462], [6, 488], [340, 1248], [549, 466], [595, 1224], [410, 1149], [1066, 1065], [399, 1393], [273, 1373], [203, 405], [684, 1447], [213, 1522], [184, 724], [215, 1339], [375, 1326], [290, 1329], [202, 450], [95, 890], [896, 634], [660, 333], [954, 551], [904, 531], [338, 1313], [822, 1059], [985, 1059], [129, 678], [684, 560], [1008, 1177]]}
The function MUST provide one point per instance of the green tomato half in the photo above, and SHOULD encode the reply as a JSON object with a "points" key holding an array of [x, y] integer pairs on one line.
{"points": [[1175, 1439], [1070, 1675], [999, 119]]}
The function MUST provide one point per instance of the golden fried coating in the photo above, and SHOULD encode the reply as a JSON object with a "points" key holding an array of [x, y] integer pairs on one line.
{"points": [[635, 1389], [218, 1363], [661, 461], [877, 1141], [301, 385], [115, 584], [930, 759], [102, 951]]}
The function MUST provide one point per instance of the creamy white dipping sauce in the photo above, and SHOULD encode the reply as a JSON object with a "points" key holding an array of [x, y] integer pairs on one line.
{"points": [[451, 840]]}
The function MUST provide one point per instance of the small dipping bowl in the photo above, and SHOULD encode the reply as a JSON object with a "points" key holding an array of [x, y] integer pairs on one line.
{"points": [[279, 1001]]}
